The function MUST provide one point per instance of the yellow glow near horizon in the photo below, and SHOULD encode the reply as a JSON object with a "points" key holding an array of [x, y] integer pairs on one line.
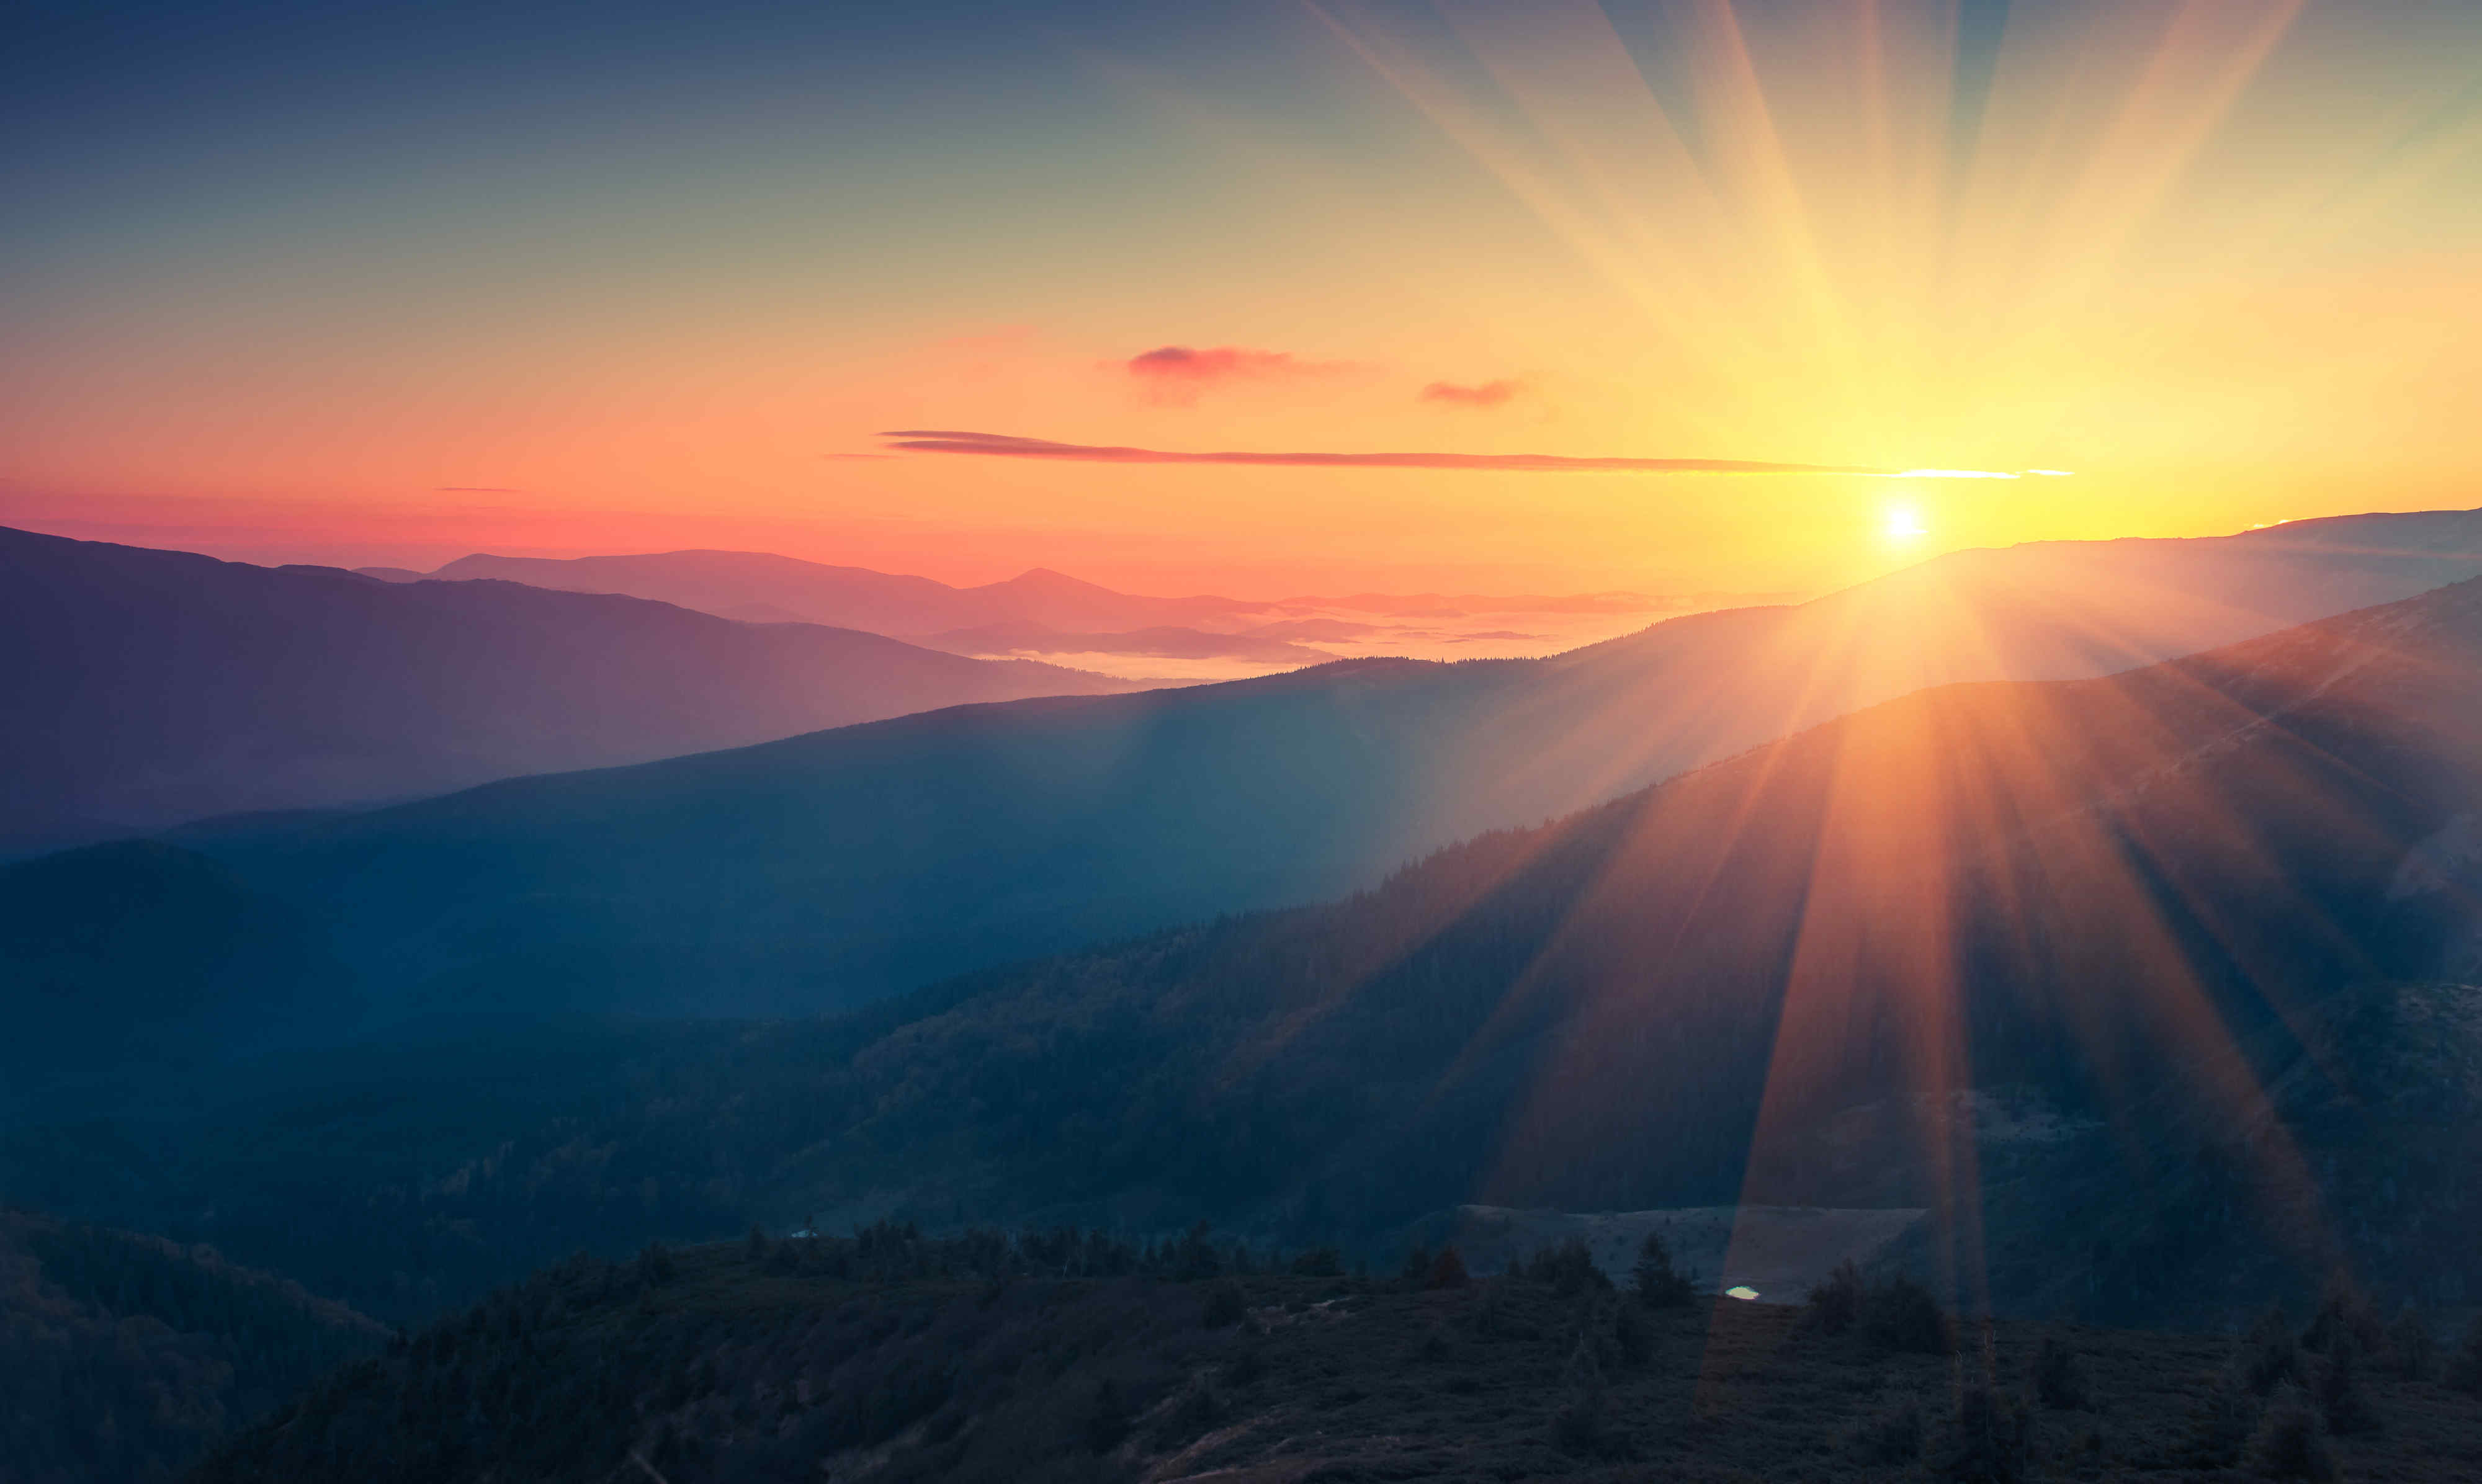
{"points": [[2169, 245]]}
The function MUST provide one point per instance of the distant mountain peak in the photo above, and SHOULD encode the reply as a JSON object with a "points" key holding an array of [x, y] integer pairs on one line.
{"points": [[1044, 578]]}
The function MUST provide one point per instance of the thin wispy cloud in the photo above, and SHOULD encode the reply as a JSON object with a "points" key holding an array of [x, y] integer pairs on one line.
{"points": [[933, 440], [1486, 394]]}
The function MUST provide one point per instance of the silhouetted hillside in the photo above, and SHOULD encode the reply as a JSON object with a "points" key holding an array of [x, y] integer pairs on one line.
{"points": [[128, 1356], [832, 868], [158, 686], [1056, 1357]]}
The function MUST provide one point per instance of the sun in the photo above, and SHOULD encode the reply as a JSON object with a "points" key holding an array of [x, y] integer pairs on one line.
{"points": [[1902, 524]]}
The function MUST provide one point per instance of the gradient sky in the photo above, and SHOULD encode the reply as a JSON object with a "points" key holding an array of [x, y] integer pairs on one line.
{"points": [[395, 282]]}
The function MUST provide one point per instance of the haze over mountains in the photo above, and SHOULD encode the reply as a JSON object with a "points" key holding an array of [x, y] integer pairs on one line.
{"points": [[159, 686], [1047, 613], [1158, 642], [828, 869], [759, 585]]}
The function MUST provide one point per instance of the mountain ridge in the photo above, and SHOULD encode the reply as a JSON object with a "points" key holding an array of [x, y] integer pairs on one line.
{"points": [[171, 686], [899, 605], [834, 866]]}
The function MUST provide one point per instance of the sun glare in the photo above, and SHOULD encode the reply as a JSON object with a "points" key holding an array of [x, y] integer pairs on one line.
{"points": [[1903, 524]]}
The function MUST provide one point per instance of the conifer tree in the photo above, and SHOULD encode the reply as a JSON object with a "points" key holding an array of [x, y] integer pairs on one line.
{"points": [[1656, 1283]]}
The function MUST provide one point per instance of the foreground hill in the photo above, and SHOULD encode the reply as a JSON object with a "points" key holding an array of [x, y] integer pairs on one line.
{"points": [[128, 1356], [2184, 952], [1059, 1358], [160, 686], [833, 868]]}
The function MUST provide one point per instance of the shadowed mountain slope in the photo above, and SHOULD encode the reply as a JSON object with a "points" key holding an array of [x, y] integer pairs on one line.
{"points": [[126, 961], [149, 687], [827, 869]]}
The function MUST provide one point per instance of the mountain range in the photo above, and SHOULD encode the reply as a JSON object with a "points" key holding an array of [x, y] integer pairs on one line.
{"points": [[153, 687], [768, 587], [1046, 614], [834, 867], [2135, 993], [763, 587], [1987, 905], [2177, 948]]}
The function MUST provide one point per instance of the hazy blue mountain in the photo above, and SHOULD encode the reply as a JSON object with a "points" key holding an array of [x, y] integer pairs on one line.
{"points": [[149, 687], [831, 868], [759, 585], [762, 586]]}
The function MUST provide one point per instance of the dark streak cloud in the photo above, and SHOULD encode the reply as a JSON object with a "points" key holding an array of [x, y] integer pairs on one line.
{"points": [[931, 440]]}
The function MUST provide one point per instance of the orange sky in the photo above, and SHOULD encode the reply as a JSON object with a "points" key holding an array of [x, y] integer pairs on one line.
{"points": [[2214, 257]]}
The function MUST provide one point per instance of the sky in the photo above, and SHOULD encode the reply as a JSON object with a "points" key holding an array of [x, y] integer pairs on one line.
{"points": [[1665, 297]]}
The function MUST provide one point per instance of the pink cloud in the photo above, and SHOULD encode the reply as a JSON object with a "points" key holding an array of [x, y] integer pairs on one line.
{"points": [[1177, 373], [1486, 394]]}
